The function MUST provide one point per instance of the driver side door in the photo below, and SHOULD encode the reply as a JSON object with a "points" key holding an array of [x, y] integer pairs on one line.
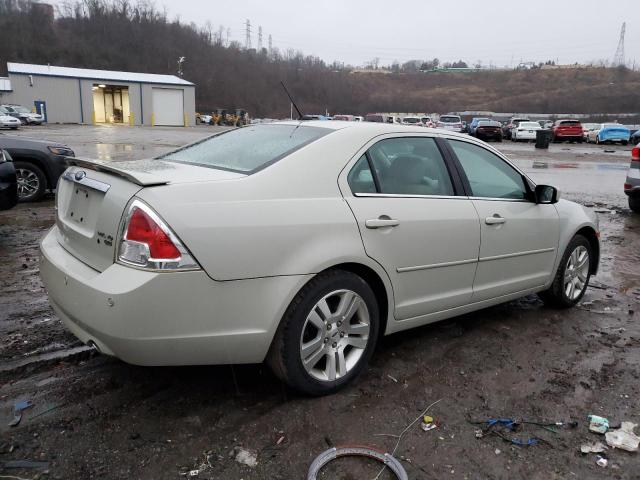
{"points": [[518, 237]]}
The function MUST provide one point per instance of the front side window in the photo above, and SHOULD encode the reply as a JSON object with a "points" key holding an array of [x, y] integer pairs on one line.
{"points": [[489, 176], [247, 149], [403, 166]]}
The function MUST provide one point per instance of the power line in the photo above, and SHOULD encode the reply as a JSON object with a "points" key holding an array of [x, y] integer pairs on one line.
{"points": [[618, 58]]}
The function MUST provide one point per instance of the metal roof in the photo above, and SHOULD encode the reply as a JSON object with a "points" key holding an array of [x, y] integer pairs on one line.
{"points": [[53, 71]]}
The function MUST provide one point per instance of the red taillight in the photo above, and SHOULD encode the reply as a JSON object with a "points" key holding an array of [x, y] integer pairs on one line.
{"points": [[627, 186], [635, 154], [143, 229]]}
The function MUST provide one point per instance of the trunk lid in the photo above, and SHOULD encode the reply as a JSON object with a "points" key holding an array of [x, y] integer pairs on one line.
{"points": [[92, 196]]}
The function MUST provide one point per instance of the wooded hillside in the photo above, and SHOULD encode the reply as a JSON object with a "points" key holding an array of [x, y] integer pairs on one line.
{"points": [[120, 35]]}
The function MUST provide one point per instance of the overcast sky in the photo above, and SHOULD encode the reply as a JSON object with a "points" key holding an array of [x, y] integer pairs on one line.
{"points": [[500, 32]]}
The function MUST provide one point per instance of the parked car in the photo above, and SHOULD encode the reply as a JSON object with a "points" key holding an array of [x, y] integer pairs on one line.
{"points": [[205, 119], [525, 131], [609, 133], [545, 123], [427, 122], [513, 123], [489, 130], [632, 183], [26, 116], [569, 130], [452, 123], [38, 164], [474, 124], [358, 118], [379, 232], [8, 121], [344, 118], [635, 138], [416, 121], [586, 128], [8, 182]]}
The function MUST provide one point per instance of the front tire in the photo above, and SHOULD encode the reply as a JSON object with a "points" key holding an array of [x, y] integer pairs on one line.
{"points": [[327, 334], [634, 204], [32, 182], [572, 277]]}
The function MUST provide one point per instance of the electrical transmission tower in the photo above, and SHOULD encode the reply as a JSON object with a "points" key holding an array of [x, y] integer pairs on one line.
{"points": [[270, 43], [247, 35], [260, 38], [618, 58]]}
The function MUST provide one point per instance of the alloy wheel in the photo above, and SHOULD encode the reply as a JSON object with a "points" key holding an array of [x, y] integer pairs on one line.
{"points": [[335, 335], [576, 273], [28, 183]]}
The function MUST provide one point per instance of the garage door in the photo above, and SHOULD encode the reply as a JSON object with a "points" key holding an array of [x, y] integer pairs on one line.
{"points": [[168, 106]]}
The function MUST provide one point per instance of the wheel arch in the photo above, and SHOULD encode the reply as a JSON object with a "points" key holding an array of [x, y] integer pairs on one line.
{"points": [[590, 234], [374, 280]]}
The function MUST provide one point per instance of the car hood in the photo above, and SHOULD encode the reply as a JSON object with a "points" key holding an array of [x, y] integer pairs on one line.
{"points": [[11, 141]]}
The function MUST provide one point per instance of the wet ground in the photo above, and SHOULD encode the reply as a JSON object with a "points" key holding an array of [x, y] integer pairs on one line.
{"points": [[94, 417]]}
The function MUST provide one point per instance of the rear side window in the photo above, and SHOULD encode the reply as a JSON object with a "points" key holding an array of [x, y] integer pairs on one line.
{"points": [[403, 166], [247, 149]]}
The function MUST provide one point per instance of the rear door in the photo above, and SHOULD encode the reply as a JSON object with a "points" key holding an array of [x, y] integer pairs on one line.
{"points": [[414, 224], [519, 238]]}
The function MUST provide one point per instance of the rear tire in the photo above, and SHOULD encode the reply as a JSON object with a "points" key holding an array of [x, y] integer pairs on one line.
{"points": [[634, 204], [625, 143], [572, 278], [327, 334], [32, 182]]}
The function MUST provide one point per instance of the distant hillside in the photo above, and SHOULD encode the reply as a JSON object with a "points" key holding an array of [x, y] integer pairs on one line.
{"points": [[120, 35]]}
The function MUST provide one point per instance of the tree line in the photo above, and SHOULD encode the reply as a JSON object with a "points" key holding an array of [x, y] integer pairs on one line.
{"points": [[139, 37]]}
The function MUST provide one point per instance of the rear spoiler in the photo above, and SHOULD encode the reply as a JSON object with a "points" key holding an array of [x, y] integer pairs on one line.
{"points": [[140, 172]]}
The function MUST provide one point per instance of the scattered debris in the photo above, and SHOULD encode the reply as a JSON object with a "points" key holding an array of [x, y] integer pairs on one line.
{"points": [[598, 424], [18, 408], [246, 457], [497, 451], [601, 461], [597, 447], [393, 378], [329, 455], [428, 423], [624, 438]]}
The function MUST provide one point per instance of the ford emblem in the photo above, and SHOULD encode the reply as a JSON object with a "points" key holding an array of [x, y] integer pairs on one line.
{"points": [[80, 175]]}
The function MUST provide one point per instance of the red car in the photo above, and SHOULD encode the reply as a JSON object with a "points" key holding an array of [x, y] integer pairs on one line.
{"points": [[567, 130]]}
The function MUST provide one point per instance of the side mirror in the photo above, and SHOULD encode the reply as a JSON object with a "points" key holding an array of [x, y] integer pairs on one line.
{"points": [[546, 194]]}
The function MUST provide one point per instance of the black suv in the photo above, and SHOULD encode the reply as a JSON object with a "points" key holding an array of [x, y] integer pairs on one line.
{"points": [[38, 164], [8, 182]]}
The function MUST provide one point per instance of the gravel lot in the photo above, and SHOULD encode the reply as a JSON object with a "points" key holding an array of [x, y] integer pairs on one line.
{"points": [[96, 417]]}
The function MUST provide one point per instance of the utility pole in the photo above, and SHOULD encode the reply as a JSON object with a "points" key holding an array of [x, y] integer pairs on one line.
{"points": [[260, 38], [228, 35], [618, 58], [221, 35], [247, 35]]}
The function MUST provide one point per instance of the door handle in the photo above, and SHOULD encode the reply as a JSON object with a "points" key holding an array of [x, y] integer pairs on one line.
{"points": [[382, 221], [495, 220]]}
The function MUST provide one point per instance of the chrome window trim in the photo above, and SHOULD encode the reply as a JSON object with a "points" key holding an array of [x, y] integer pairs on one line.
{"points": [[404, 195], [498, 199], [87, 182]]}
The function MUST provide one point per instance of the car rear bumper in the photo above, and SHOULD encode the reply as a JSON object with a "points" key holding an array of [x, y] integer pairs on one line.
{"points": [[526, 136], [177, 318]]}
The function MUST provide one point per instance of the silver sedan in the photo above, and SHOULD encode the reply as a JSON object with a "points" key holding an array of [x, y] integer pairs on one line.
{"points": [[302, 243]]}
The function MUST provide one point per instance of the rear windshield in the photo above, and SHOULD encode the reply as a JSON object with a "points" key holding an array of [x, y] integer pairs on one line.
{"points": [[570, 123], [488, 123], [247, 149], [529, 124], [449, 119]]}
